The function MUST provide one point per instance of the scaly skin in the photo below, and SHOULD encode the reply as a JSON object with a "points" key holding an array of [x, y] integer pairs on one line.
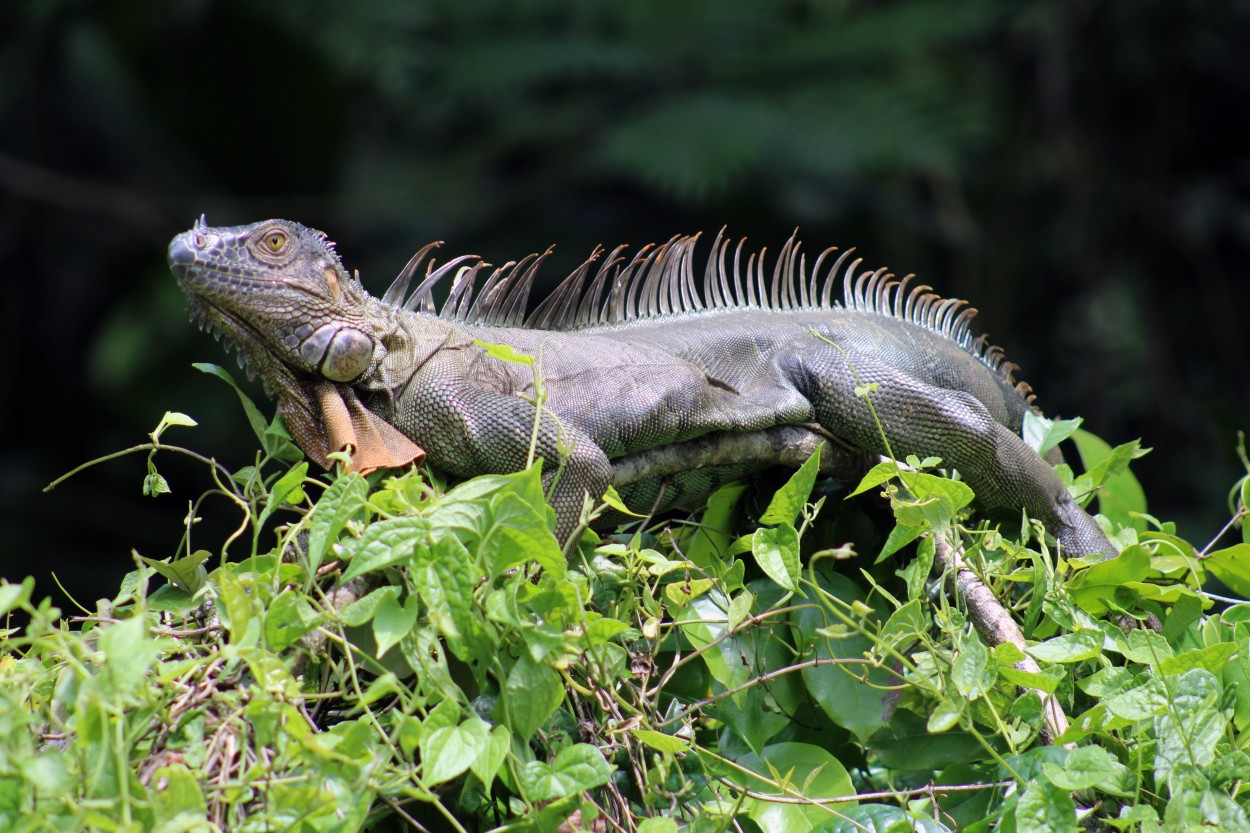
{"points": [[280, 294]]}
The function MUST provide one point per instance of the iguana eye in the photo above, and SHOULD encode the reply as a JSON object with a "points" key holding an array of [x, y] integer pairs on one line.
{"points": [[275, 242]]}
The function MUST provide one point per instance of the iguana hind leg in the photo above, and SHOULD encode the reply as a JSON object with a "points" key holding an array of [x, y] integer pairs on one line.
{"points": [[921, 419]]}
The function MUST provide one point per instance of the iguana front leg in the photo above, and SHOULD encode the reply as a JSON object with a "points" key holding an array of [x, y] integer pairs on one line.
{"points": [[921, 419], [469, 431]]}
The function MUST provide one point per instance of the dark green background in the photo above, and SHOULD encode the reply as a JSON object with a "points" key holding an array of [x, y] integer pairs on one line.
{"points": [[1079, 170]]}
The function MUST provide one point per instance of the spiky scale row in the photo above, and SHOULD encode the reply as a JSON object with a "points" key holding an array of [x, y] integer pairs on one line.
{"points": [[659, 280]]}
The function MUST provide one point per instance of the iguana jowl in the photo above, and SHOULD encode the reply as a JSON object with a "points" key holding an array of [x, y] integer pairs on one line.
{"points": [[633, 357]]}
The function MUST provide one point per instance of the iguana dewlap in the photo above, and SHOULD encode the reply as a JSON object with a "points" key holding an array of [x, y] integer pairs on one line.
{"points": [[633, 356]]}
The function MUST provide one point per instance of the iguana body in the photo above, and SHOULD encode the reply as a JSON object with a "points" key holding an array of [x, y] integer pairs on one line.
{"points": [[635, 361]]}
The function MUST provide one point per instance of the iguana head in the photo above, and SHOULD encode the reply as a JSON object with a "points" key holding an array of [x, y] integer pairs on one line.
{"points": [[282, 298], [276, 290]]}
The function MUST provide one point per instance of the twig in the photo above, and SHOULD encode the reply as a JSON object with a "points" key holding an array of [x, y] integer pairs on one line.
{"points": [[912, 792]]}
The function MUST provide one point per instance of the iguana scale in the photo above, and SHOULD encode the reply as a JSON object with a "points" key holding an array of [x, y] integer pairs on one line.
{"points": [[633, 357]]}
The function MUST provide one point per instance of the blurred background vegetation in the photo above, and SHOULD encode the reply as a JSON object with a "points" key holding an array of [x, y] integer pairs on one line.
{"points": [[1078, 169]]}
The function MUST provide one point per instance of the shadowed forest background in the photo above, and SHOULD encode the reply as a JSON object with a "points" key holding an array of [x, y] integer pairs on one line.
{"points": [[1078, 170]]}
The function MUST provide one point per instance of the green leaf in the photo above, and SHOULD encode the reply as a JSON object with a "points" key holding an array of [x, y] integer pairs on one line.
{"points": [[1138, 703], [945, 716], [343, 500], [906, 624], [288, 489], [515, 529], [661, 742], [1213, 658], [177, 800], [1231, 565], [236, 606], [972, 672], [385, 544], [613, 499], [1097, 588], [154, 484], [900, 536], [753, 716], [177, 418], [1204, 810], [531, 694], [129, 651], [1121, 497], [425, 654], [487, 763], [1084, 768], [1068, 647], [755, 713], [186, 573], [777, 553], [877, 475], [15, 595], [681, 592], [1043, 434], [364, 609], [505, 353], [916, 574], [445, 583], [740, 608], [448, 751], [790, 499], [386, 685], [575, 770], [714, 535], [287, 618], [280, 445], [1044, 808], [171, 418], [704, 621], [602, 631], [392, 621], [791, 770], [657, 825], [1236, 676], [936, 500], [1191, 726], [1047, 683]]}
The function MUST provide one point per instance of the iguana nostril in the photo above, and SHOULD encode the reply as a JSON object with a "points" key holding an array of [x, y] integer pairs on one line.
{"points": [[180, 254], [184, 248]]}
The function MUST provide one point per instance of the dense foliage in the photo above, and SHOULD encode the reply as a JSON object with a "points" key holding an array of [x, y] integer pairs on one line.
{"points": [[1074, 169], [400, 654]]}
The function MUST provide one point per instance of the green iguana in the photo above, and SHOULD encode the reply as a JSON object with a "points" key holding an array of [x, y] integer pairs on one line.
{"points": [[633, 356]]}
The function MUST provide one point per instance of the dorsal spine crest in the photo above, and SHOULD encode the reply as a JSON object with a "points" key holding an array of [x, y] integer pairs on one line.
{"points": [[659, 280]]}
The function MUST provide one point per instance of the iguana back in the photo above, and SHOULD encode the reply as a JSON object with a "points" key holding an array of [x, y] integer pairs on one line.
{"points": [[632, 358]]}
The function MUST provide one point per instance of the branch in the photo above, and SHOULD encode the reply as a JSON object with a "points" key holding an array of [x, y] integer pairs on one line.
{"points": [[995, 626]]}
